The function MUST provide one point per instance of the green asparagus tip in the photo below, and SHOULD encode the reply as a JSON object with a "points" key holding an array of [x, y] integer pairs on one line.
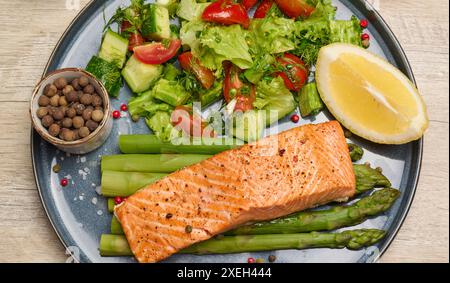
{"points": [[358, 239]]}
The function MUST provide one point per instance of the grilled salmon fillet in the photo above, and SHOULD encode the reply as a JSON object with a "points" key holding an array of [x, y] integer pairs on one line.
{"points": [[281, 174]]}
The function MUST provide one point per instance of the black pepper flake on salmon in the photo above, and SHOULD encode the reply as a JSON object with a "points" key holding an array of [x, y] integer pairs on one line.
{"points": [[281, 152], [169, 215], [188, 229]]}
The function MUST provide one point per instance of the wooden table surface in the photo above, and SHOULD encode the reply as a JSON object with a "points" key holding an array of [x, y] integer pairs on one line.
{"points": [[30, 31]]}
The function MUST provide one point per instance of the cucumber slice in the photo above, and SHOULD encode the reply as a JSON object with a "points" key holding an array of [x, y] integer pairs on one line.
{"points": [[156, 26], [107, 73], [114, 48], [139, 76]]}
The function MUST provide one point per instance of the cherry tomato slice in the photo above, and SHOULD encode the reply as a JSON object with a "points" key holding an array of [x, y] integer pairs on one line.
{"points": [[135, 40], [156, 53], [226, 12], [184, 120], [191, 64], [295, 8], [234, 89], [295, 73], [263, 8], [248, 4]]}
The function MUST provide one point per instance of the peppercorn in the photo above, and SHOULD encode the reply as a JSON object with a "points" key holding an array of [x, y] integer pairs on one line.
{"points": [[87, 114], [54, 101], [63, 101], [169, 215], [89, 89], [91, 125], [68, 135], [188, 229], [97, 100], [72, 96], [75, 84], [83, 132], [67, 122], [71, 112], [47, 121], [79, 108], [83, 81], [60, 83], [53, 130], [259, 260], [86, 99], [58, 114], [41, 112], [77, 122], [272, 258], [50, 90], [43, 100], [67, 89], [135, 118], [366, 43], [97, 115], [56, 168]]}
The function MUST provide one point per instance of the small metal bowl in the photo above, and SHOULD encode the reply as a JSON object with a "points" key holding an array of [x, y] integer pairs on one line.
{"points": [[81, 146]]}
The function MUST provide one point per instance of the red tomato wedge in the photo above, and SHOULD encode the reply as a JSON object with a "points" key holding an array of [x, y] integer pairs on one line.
{"points": [[184, 120], [191, 64], [156, 53], [135, 40], [263, 8], [295, 8], [295, 72], [234, 88], [226, 12], [248, 4]]}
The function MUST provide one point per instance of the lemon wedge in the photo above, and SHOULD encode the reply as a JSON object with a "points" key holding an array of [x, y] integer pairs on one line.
{"points": [[369, 96]]}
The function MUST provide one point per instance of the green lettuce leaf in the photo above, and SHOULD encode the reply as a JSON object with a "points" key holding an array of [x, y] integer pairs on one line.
{"points": [[324, 9], [222, 43], [313, 34], [190, 10], [273, 97], [272, 35]]}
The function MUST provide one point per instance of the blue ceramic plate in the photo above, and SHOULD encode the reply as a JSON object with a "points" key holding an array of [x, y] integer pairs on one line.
{"points": [[79, 215]]}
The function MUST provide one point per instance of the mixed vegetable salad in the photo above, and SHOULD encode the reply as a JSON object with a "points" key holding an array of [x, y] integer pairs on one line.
{"points": [[175, 53]]}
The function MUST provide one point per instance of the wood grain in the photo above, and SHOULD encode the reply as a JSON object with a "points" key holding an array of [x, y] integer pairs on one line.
{"points": [[32, 28]]}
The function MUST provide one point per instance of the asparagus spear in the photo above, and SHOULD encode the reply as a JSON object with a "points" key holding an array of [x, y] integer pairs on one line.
{"points": [[116, 245], [124, 184], [308, 221], [155, 163], [309, 100], [353, 240], [331, 219], [368, 178], [113, 245], [140, 144], [116, 228], [356, 152], [111, 205]]}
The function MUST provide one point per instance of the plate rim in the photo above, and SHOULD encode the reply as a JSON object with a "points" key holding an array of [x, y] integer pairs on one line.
{"points": [[417, 160]]}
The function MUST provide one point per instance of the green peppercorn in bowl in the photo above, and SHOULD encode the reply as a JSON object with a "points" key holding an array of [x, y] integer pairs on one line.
{"points": [[71, 110]]}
